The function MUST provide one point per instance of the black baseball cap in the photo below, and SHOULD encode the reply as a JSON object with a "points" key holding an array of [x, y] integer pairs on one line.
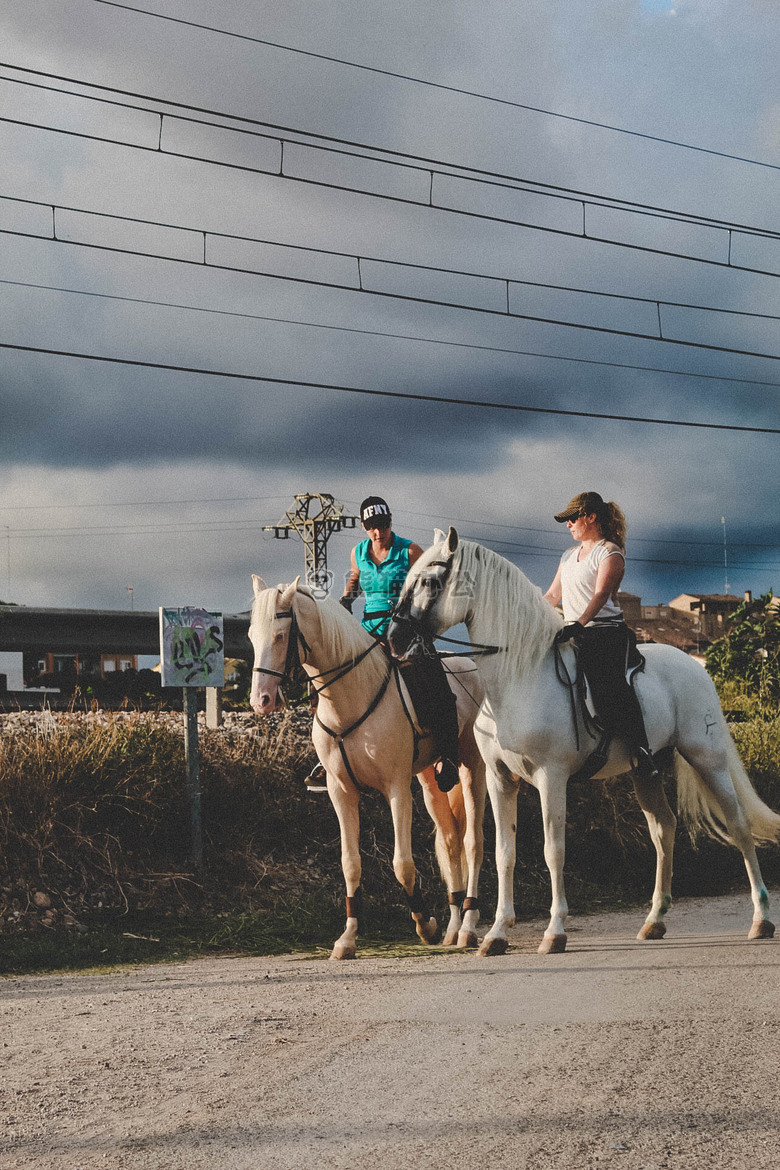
{"points": [[375, 509]]}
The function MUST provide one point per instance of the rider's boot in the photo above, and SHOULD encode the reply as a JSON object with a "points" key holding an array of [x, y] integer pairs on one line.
{"points": [[596, 760], [645, 766]]}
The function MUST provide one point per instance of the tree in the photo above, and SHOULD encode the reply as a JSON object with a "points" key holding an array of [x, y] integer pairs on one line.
{"points": [[749, 651]]}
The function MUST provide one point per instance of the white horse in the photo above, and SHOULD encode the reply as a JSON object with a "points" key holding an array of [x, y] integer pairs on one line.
{"points": [[526, 730], [366, 736]]}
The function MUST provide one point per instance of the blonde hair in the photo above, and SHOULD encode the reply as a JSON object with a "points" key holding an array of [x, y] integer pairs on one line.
{"points": [[613, 524]]}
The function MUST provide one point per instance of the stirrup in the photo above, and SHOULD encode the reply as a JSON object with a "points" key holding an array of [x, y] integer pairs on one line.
{"points": [[645, 766], [316, 780], [595, 761], [446, 775]]}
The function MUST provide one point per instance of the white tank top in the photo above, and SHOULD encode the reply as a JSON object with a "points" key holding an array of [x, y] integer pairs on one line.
{"points": [[578, 583]]}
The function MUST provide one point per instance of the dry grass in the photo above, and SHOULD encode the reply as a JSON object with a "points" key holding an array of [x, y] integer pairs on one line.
{"points": [[94, 820]]}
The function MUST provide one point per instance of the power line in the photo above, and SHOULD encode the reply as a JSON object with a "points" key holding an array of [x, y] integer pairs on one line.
{"points": [[391, 336], [141, 503], [397, 394], [546, 531], [346, 148], [360, 287], [441, 86], [150, 529], [657, 303], [158, 503]]}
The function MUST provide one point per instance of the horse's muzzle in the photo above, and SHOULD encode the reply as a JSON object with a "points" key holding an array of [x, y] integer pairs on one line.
{"points": [[404, 637]]}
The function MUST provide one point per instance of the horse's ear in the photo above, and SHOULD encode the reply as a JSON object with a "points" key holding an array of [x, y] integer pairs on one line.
{"points": [[258, 584], [452, 540], [288, 593], [438, 536]]}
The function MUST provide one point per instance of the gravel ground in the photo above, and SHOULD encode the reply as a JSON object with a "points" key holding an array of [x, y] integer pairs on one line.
{"points": [[647, 1056]]}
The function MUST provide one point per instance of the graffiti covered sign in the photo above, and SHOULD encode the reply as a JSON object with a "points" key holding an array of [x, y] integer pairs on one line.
{"points": [[192, 647]]}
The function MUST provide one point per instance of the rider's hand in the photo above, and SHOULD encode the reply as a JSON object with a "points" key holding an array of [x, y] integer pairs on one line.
{"points": [[346, 601], [572, 630]]}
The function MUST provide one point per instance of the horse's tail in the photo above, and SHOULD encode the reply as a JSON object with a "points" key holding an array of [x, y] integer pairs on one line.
{"points": [[702, 811]]}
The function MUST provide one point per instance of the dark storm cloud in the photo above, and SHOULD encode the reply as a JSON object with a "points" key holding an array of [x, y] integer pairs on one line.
{"points": [[696, 73]]}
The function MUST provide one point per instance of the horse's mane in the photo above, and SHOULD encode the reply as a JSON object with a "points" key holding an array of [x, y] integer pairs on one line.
{"points": [[341, 636], [506, 609]]}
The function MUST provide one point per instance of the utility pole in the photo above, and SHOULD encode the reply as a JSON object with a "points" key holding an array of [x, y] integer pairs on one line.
{"points": [[725, 557], [314, 518]]}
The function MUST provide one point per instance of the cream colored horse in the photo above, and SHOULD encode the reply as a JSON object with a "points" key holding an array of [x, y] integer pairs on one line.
{"points": [[366, 737], [525, 731]]}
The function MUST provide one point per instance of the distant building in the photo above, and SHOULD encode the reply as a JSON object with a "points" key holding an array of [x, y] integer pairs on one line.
{"points": [[708, 611], [50, 669], [631, 606], [660, 623]]}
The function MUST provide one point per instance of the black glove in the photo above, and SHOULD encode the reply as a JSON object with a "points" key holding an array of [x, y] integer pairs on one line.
{"points": [[346, 601], [570, 630]]}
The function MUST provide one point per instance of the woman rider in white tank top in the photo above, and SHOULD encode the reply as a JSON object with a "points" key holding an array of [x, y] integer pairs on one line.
{"points": [[586, 585]]}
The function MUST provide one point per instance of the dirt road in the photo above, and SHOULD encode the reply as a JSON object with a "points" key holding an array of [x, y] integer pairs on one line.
{"points": [[639, 1055]]}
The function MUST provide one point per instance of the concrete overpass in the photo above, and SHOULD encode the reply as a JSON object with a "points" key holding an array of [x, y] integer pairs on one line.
{"points": [[71, 631]]}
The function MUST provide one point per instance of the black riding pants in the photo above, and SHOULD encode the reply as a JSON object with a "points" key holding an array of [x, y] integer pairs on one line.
{"points": [[435, 704], [604, 651]]}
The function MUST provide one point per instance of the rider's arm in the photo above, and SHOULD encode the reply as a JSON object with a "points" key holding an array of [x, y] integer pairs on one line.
{"points": [[555, 593], [608, 578], [415, 552], [352, 588]]}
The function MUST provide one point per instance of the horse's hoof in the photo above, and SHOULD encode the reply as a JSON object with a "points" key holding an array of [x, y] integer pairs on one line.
{"points": [[762, 929], [652, 930], [493, 946], [429, 932], [451, 939], [343, 951], [467, 938], [554, 944]]}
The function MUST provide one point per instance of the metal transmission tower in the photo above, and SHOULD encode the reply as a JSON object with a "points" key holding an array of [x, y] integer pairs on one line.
{"points": [[314, 519]]}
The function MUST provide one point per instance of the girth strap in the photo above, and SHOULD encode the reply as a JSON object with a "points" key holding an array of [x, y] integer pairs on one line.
{"points": [[340, 736]]}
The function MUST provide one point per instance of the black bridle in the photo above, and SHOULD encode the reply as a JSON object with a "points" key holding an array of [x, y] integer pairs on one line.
{"points": [[293, 662], [416, 619]]}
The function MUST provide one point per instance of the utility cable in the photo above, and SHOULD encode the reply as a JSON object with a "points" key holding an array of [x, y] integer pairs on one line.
{"points": [[506, 313], [346, 147], [441, 86], [149, 529], [483, 523], [391, 336], [396, 394]]}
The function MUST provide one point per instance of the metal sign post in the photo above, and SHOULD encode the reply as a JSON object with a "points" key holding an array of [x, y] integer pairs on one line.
{"points": [[192, 655]]}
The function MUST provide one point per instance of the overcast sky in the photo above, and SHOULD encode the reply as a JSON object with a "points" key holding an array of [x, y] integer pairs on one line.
{"points": [[114, 476]]}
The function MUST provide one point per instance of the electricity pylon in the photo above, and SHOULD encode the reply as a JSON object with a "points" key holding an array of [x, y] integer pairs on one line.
{"points": [[314, 519]]}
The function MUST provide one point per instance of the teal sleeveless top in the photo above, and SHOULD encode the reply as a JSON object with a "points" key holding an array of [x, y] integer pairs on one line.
{"points": [[382, 583]]}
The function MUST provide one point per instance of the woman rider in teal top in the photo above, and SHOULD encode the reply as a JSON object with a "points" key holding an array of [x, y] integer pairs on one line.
{"points": [[382, 561], [379, 565]]}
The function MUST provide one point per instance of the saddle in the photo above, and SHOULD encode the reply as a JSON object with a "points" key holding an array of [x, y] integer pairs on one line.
{"points": [[413, 672], [433, 700], [635, 662], [617, 713]]}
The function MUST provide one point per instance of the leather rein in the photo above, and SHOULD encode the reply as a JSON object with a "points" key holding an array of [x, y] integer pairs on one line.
{"points": [[293, 662]]}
